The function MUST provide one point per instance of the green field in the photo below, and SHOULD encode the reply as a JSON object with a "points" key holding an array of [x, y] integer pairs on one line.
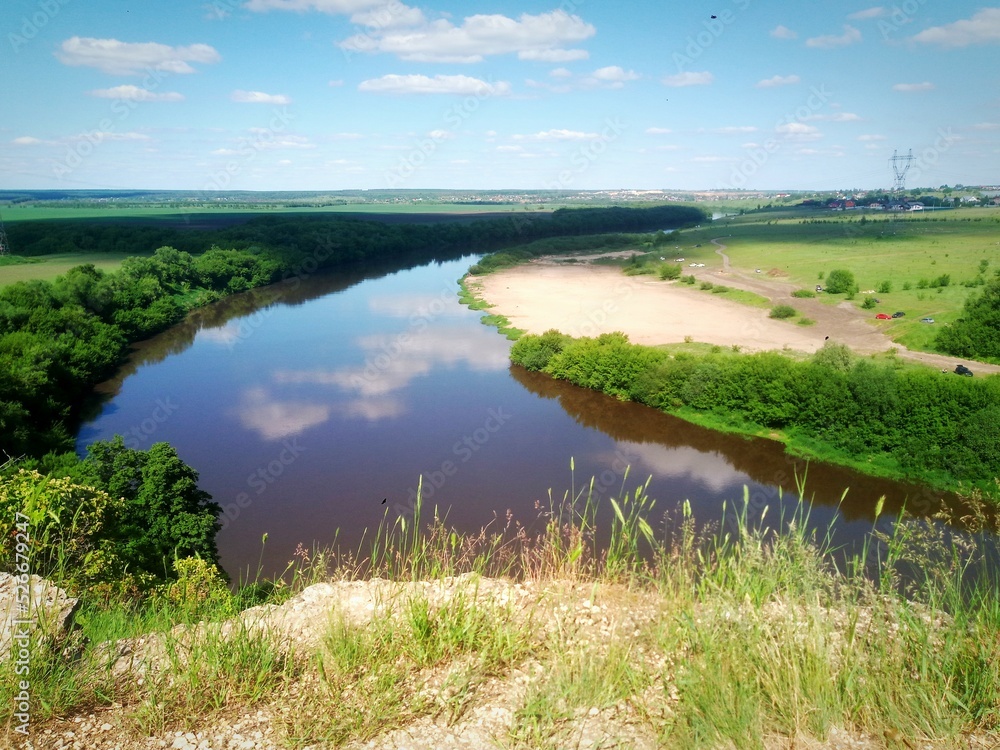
{"points": [[178, 213], [801, 244], [49, 266]]}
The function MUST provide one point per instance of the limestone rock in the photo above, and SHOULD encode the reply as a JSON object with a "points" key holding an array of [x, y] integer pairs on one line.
{"points": [[36, 608]]}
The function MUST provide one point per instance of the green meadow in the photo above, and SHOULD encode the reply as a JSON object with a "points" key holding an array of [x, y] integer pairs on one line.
{"points": [[910, 251], [48, 267]]}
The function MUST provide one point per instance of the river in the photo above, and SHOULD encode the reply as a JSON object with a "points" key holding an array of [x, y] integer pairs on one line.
{"points": [[311, 408]]}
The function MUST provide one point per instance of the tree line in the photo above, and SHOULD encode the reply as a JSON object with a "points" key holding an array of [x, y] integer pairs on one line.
{"points": [[904, 421]]}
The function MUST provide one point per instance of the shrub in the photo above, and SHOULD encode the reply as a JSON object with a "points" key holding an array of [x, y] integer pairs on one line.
{"points": [[534, 352], [803, 293], [706, 285], [719, 289], [670, 272], [806, 322], [688, 279], [839, 281], [884, 287], [781, 312], [869, 303], [907, 286]]}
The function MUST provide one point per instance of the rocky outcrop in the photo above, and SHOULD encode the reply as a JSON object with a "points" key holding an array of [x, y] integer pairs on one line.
{"points": [[32, 608]]}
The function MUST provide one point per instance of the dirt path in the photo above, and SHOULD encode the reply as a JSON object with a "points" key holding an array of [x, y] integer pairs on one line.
{"points": [[583, 299]]}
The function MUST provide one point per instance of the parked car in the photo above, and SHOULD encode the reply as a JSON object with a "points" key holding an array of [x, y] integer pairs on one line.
{"points": [[883, 316], [963, 370], [927, 320], [898, 314]]}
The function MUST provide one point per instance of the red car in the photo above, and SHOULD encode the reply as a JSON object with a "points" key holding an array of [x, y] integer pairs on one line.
{"points": [[883, 316]]}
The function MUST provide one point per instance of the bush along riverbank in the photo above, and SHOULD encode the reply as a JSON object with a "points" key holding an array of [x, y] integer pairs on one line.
{"points": [[535, 637], [882, 418]]}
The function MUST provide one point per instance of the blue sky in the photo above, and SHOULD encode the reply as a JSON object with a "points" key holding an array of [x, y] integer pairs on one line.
{"points": [[510, 94]]}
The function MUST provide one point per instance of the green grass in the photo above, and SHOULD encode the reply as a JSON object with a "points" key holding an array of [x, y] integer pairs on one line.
{"points": [[469, 290], [735, 636], [48, 267]]}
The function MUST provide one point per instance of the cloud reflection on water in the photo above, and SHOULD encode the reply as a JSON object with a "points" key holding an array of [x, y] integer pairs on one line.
{"points": [[374, 389]]}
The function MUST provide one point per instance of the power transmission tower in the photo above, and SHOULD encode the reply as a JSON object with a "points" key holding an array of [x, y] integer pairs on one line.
{"points": [[4, 243], [900, 166]]}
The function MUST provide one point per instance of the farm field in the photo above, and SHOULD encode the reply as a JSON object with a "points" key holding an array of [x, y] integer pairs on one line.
{"points": [[181, 213]]}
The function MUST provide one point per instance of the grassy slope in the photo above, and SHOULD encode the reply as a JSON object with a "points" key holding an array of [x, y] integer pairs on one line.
{"points": [[750, 641]]}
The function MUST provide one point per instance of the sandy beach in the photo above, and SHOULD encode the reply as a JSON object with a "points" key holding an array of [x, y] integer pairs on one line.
{"points": [[583, 299]]}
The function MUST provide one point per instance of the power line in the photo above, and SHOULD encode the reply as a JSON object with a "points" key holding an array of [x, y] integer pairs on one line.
{"points": [[900, 166]]}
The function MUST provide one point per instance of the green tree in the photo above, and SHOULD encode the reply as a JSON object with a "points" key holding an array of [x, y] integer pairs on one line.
{"points": [[839, 281], [166, 515], [976, 334]]}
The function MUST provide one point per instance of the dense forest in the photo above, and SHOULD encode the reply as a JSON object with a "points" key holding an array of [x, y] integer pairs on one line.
{"points": [[899, 420], [59, 339]]}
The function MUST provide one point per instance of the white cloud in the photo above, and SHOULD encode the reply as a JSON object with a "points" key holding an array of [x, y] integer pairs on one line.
{"points": [[711, 159], [912, 87], [835, 117], [540, 38], [375, 14], [556, 134], [258, 97], [783, 32], [439, 84], [689, 78], [611, 76], [986, 126], [27, 140], [870, 137], [798, 131], [832, 41], [769, 83], [658, 131], [982, 28], [137, 94], [553, 55], [127, 58], [337, 83], [862, 15], [560, 73], [735, 129], [108, 135]]}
